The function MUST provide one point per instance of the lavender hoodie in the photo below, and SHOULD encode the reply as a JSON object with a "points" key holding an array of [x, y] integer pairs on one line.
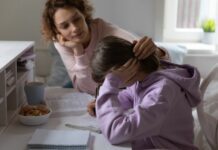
{"points": [[161, 104]]}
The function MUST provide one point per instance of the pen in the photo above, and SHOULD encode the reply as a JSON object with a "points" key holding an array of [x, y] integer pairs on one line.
{"points": [[96, 94], [90, 128]]}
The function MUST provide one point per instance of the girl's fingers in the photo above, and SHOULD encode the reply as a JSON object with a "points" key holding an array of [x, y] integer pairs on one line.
{"points": [[91, 108], [143, 46], [91, 112], [132, 64], [134, 42], [148, 51], [137, 46], [146, 47], [129, 62], [132, 73], [132, 67], [128, 65], [125, 66], [128, 70]]}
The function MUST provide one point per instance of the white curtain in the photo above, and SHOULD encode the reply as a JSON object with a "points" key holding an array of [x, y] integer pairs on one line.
{"points": [[190, 13]]}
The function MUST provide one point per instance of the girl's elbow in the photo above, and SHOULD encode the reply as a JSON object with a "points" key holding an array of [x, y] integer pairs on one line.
{"points": [[114, 138]]}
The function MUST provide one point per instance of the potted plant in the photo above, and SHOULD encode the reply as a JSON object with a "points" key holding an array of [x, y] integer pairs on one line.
{"points": [[209, 28]]}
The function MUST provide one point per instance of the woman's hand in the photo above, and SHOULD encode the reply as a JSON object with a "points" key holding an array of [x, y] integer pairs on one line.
{"points": [[144, 47], [128, 72], [76, 47], [91, 108]]}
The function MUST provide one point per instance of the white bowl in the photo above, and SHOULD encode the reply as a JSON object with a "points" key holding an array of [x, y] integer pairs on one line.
{"points": [[34, 120]]}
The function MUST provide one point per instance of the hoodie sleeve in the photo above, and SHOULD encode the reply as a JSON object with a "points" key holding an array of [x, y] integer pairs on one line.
{"points": [[144, 120], [125, 99]]}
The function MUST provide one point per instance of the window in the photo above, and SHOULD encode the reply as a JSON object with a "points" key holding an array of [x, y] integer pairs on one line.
{"points": [[182, 19], [188, 13]]}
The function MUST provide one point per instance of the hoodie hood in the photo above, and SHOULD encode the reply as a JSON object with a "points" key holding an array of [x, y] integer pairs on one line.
{"points": [[187, 77]]}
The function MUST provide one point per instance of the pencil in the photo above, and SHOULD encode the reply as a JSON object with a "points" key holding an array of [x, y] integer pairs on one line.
{"points": [[89, 128]]}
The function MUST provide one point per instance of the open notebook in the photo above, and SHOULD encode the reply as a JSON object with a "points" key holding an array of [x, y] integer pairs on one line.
{"points": [[44, 139]]}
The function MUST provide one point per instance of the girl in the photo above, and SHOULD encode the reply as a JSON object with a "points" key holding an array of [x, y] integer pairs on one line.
{"points": [[159, 94], [70, 25]]}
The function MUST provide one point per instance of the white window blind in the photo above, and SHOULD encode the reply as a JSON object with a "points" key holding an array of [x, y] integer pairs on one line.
{"points": [[182, 19], [188, 13]]}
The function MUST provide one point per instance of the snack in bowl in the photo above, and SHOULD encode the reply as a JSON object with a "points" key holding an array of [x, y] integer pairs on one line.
{"points": [[34, 114]]}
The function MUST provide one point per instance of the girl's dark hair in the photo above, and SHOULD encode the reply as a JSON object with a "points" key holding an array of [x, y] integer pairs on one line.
{"points": [[49, 30], [113, 51]]}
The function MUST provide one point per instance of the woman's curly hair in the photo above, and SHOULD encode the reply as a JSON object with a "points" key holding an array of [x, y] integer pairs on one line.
{"points": [[49, 30]]}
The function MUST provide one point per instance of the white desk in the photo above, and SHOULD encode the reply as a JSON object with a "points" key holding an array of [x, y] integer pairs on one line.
{"points": [[16, 136], [13, 78]]}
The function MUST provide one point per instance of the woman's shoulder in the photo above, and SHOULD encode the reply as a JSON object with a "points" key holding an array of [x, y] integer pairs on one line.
{"points": [[101, 25], [106, 28], [100, 21], [101, 28]]}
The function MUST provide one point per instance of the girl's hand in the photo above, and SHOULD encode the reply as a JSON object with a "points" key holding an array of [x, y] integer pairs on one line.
{"points": [[144, 47], [91, 108], [128, 72], [76, 47]]}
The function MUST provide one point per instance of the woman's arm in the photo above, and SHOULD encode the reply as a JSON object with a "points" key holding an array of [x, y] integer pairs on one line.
{"points": [[78, 69]]}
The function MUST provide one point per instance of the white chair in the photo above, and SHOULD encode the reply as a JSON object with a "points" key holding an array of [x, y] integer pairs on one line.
{"points": [[208, 123]]}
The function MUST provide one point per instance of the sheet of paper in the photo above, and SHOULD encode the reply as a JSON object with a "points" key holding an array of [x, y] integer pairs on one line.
{"points": [[43, 138], [66, 100]]}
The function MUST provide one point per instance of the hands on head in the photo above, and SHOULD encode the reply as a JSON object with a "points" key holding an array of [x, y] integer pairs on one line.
{"points": [[129, 71], [144, 47]]}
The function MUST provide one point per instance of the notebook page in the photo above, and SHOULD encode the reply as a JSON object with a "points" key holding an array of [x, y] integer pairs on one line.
{"points": [[65, 100], [59, 138]]}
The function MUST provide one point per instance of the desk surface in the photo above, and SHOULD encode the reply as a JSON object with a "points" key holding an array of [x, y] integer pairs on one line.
{"points": [[16, 135], [10, 50]]}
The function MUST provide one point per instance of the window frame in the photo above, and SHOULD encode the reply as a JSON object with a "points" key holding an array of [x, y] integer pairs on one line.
{"points": [[172, 34]]}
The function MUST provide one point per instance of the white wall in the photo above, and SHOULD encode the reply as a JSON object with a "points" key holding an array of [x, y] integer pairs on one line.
{"points": [[137, 16], [20, 19]]}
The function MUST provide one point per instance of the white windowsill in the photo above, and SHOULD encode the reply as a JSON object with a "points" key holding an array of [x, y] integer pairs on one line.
{"points": [[198, 48]]}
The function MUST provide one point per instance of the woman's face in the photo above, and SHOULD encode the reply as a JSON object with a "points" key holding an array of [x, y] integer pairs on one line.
{"points": [[71, 24]]}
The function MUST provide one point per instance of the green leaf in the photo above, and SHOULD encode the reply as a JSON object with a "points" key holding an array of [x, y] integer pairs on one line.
{"points": [[209, 25]]}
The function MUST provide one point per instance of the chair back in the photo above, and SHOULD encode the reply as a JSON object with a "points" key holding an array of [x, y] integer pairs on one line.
{"points": [[208, 123]]}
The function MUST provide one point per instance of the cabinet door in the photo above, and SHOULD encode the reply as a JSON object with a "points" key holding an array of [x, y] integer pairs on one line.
{"points": [[3, 106], [11, 93]]}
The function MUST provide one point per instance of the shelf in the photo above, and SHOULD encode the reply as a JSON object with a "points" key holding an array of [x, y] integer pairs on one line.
{"points": [[10, 90], [2, 128], [3, 115], [1, 100], [21, 75], [11, 114], [20, 92]]}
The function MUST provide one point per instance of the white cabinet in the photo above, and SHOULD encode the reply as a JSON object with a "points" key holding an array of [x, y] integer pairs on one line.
{"points": [[13, 78]]}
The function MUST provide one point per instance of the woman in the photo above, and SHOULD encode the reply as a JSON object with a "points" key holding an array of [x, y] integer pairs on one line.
{"points": [[70, 25], [160, 95]]}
